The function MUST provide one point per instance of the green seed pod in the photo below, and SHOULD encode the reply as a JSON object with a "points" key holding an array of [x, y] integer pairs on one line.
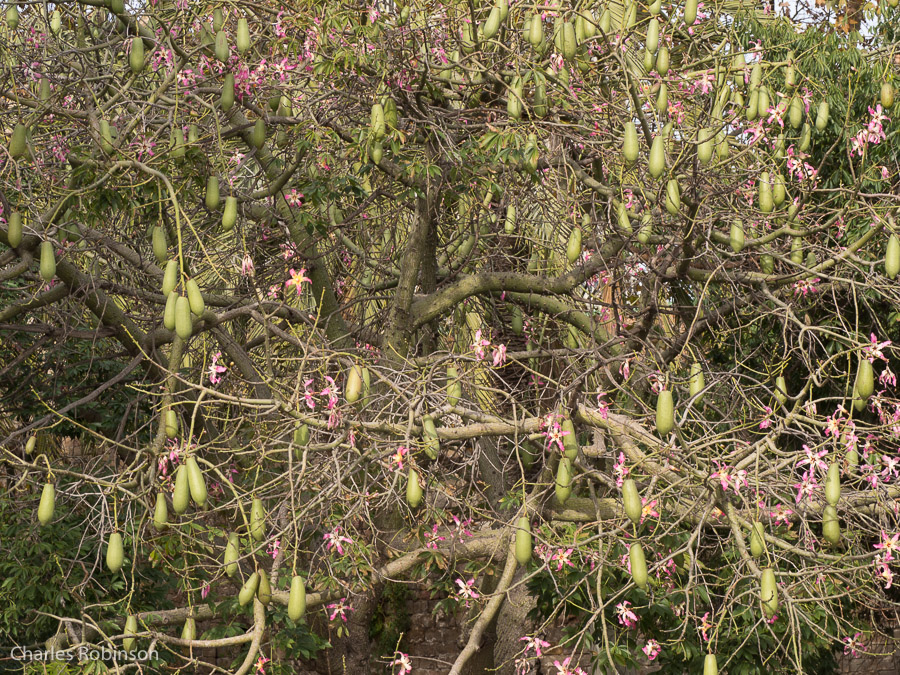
{"points": [[657, 164], [297, 599], [652, 41], [55, 22], [710, 665], [796, 112], [169, 312], [822, 116], [18, 142], [413, 489], [766, 201], [227, 99], [665, 413], [887, 96], [258, 135], [631, 147], [12, 16], [130, 629], [136, 55], [171, 428], [662, 99], [248, 590], [697, 382], [189, 631], [14, 229], [47, 504], [218, 20], [796, 250], [48, 261], [170, 277], [184, 325], [257, 520], [673, 197], [891, 257], [780, 390], [690, 12], [563, 483], [229, 214], [232, 553], [223, 52], [757, 540], [833, 484], [768, 592], [454, 388], [115, 553], [705, 145], [632, 501], [662, 61], [196, 481], [160, 244], [624, 221], [492, 25], [195, 297], [264, 589], [573, 247], [182, 493], [767, 263], [778, 190], [523, 541], [212, 193], [243, 36], [570, 442], [865, 379], [646, 230], [638, 565], [161, 513], [831, 526], [736, 237]]}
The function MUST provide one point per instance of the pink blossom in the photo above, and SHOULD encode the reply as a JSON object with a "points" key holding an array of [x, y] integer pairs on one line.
{"points": [[705, 626], [649, 509], [564, 668], [336, 540], [339, 609], [814, 459], [247, 267], [555, 436], [402, 660], [274, 548], [620, 470], [261, 664], [397, 457], [479, 345], [561, 557], [853, 645], [433, 538], [625, 615], [806, 487], [216, 369], [535, 644], [781, 515], [466, 591], [204, 591], [651, 649], [297, 279], [883, 572], [873, 351], [499, 355], [888, 544]]}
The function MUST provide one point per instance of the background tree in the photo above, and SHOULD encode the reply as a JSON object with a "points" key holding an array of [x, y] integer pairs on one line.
{"points": [[590, 300]]}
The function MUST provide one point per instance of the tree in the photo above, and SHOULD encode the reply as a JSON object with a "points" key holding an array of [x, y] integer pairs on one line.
{"points": [[597, 302]]}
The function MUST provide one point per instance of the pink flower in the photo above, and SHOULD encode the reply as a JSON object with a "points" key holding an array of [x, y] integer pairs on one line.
{"points": [[883, 572], [479, 345], [562, 558], [297, 279], [339, 609], [852, 645], [397, 457], [814, 459], [499, 355], [216, 369], [247, 267], [336, 540], [625, 615], [889, 545], [781, 515], [261, 664], [767, 421], [433, 538], [555, 436], [308, 395], [274, 548], [705, 626], [651, 649], [564, 669], [535, 644], [806, 487], [466, 591], [649, 509], [602, 406], [204, 591], [402, 660], [873, 349], [620, 470]]}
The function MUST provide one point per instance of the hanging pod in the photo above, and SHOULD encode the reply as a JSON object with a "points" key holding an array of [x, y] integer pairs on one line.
{"points": [[624, 220], [248, 590], [195, 297], [573, 246], [833, 484], [705, 145], [229, 214], [48, 261], [796, 112], [696, 381], [47, 504], [630, 146], [652, 41], [413, 489], [257, 520], [657, 163], [169, 312], [130, 630], [14, 229], [232, 553], [757, 540], [632, 501], [646, 230], [662, 61], [690, 12], [766, 202], [297, 599], [182, 492], [887, 96], [822, 116], [563, 483], [12, 16], [136, 55], [638, 565], [242, 38], [353, 388], [492, 24], [768, 592], [673, 197], [160, 244], [831, 526], [264, 589], [226, 101], [115, 553], [523, 541], [258, 135], [454, 388], [212, 193], [570, 442], [184, 325], [196, 481], [710, 665], [171, 423], [160, 513], [892, 257], [736, 236], [170, 277], [865, 379], [223, 52], [780, 390], [665, 413]]}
